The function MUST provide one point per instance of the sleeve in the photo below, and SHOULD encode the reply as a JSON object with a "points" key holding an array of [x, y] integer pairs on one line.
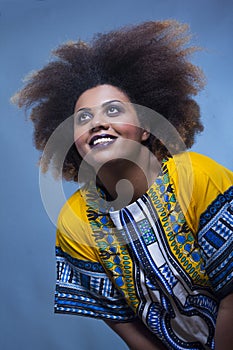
{"points": [[213, 210], [205, 192], [83, 286]]}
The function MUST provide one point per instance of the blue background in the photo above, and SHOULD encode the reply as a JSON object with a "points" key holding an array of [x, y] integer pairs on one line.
{"points": [[29, 29]]}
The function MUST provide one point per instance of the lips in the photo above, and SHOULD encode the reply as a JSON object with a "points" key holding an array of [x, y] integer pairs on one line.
{"points": [[101, 140]]}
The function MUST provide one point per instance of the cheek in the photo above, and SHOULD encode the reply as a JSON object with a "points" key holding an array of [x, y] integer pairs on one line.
{"points": [[131, 132], [80, 143]]}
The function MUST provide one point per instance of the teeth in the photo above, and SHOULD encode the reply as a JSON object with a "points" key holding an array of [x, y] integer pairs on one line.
{"points": [[102, 140]]}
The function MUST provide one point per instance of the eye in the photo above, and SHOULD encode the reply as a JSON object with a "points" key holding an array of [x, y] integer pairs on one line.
{"points": [[83, 117], [113, 110]]}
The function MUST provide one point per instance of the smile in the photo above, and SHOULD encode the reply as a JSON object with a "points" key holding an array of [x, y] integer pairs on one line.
{"points": [[102, 140]]}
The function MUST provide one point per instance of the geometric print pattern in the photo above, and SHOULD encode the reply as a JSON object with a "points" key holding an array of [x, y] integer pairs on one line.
{"points": [[112, 247], [153, 267], [216, 240], [147, 232], [180, 240], [169, 276], [216, 207], [84, 288], [165, 250], [168, 307]]}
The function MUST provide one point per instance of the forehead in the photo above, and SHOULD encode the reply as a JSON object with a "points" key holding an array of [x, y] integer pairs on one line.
{"points": [[98, 95]]}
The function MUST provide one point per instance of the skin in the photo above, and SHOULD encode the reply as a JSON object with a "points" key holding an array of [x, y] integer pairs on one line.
{"points": [[136, 335], [224, 326], [106, 111], [123, 158]]}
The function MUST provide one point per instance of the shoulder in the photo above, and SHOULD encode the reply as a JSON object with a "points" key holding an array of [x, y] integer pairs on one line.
{"points": [[201, 169], [74, 234], [197, 181], [209, 166], [73, 210]]}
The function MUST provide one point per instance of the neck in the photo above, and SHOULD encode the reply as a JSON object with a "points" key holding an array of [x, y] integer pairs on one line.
{"points": [[126, 181]]}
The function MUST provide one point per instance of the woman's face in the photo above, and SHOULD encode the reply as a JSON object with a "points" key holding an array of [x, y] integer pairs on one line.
{"points": [[104, 120]]}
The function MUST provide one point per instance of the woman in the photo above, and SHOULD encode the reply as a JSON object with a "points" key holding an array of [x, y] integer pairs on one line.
{"points": [[146, 242]]}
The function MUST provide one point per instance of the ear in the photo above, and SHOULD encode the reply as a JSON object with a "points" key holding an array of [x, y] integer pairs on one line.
{"points": [[145, 135]]}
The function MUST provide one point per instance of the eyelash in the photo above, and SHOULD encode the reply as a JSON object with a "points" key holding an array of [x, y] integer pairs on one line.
{"points": [[79, 117], [117, 109]]}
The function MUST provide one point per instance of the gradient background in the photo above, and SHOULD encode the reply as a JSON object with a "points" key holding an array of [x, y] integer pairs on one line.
{"points": [[29, 29]]}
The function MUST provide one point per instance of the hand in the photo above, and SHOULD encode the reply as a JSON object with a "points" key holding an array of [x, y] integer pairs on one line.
{"points": [[136, 335], [224, 325]]}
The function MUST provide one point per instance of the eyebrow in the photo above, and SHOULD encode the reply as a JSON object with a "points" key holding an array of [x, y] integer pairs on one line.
{"points": [[103, 105]]}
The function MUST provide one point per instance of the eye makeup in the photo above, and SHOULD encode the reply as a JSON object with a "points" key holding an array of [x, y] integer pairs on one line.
{"points": [[111, 108]]}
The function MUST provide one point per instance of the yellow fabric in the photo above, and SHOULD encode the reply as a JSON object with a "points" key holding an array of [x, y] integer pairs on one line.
{"points": [[73, 230], [197, 180]]}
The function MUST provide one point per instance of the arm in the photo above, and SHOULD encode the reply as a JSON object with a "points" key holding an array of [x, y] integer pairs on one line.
{"points": [[136, 335], [224, 326]]}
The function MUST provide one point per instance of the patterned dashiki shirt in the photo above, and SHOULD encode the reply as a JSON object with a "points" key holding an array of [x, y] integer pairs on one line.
{"points": [[166, 258]]}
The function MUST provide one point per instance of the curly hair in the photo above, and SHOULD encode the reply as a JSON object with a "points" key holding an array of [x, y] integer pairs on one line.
{"points": [[149, 62]]}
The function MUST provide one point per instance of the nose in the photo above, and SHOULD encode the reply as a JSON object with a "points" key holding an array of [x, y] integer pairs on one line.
{"points": [[99, 122]]}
